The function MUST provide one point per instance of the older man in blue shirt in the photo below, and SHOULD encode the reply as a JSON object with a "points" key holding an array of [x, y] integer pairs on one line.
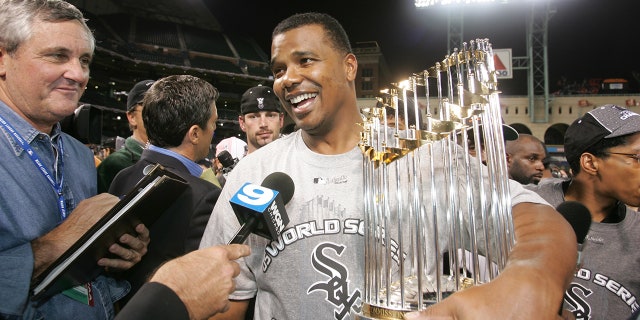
{"points": [[46, 173]]}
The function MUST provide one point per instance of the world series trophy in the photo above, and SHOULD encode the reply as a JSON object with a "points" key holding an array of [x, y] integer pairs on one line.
{"points": [[437, 220]]}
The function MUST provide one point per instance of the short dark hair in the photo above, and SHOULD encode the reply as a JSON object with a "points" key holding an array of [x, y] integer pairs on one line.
{"points": [[173, 104], [334, 30], [599, 149]]}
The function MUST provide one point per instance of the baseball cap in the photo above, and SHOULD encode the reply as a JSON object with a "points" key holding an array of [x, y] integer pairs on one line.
{"points": [[508, 132], [260, 98], [236, 147], [605, 122], [136, 94]]}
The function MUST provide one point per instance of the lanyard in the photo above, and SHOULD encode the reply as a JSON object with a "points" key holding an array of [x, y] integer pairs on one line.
{"points": [[57, 186]]}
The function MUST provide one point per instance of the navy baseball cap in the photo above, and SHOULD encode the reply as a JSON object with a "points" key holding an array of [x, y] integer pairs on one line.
{"points": [[260, 98], [605, 122], [136, 94]]}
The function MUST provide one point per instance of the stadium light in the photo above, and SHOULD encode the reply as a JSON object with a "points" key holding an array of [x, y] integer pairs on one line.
{"points": [[431, 3]]}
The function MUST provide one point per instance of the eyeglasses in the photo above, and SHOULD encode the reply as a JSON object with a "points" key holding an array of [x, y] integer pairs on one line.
{"points": [[630, 155]]}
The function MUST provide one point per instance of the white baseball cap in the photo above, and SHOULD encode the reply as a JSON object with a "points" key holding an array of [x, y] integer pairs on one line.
{"points": [[235, 146]]}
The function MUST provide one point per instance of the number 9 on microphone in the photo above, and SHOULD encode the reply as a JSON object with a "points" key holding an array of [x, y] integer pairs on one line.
{"points": [[254, 197], [260, 205]]}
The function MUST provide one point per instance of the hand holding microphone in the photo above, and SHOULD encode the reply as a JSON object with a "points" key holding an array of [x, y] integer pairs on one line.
{"points": [[260, 208]]}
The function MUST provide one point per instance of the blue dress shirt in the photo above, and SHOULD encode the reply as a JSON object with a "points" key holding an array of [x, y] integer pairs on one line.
{"points": [[28, 210]]}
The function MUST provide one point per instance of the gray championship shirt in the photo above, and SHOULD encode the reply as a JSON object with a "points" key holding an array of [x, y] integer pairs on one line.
{"points": [[608, 283]]}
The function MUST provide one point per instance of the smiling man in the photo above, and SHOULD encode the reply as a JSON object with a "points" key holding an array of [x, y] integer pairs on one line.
{"points": [[316, 269], [45, 52]]}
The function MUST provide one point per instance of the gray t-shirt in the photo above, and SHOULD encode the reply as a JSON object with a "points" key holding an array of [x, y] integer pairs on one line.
{"points": [[315, 269], [608, 283]]}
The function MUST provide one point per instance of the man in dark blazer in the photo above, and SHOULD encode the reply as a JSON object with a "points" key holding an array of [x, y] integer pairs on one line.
{"points": [[180, 115]]}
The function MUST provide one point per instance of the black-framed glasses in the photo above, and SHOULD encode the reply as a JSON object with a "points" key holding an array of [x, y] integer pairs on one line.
{"points": [[630, 155]]}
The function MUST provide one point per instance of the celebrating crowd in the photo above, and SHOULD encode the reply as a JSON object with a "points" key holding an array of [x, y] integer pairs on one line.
{"points": [[181, 267]]}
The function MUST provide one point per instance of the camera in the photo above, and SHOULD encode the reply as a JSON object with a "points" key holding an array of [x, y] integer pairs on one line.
{"points": [[227, 161]]}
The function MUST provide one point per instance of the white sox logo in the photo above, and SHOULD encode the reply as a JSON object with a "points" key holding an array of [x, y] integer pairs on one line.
{"points": [[574, 297], [336, 288], [260, 103]]}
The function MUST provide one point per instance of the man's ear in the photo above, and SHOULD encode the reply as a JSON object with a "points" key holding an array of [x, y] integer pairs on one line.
{"points": [[242, 124], [3, 56], [351, 66], [132, 119], [589, 163], [194, 134], [509, 159]]}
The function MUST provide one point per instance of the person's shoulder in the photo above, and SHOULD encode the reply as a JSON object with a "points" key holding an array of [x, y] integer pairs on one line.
{"points": [[209, 175], [265, 160], [283, 141], [70, 142], [276, 148], [523, 193], [199, 181], [291, 135], [546, 184], [122, 156], [203, 193], [632, 218], [125, 179], [77, 149]]}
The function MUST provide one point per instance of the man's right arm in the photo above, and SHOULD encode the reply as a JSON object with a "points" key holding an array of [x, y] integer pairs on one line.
{"points": [[154, 301], [52, 245], [194, 286], [203, 279]]}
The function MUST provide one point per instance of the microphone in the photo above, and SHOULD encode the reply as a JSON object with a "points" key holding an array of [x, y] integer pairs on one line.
{"points": [[579, 218], [260, 209]]}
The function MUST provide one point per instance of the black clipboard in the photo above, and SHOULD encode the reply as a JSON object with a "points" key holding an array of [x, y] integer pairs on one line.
{"points": [[155, 192]]}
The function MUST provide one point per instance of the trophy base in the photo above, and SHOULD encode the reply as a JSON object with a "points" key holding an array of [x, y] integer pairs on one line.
{"points": [[370, 312], [373, 312]]}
